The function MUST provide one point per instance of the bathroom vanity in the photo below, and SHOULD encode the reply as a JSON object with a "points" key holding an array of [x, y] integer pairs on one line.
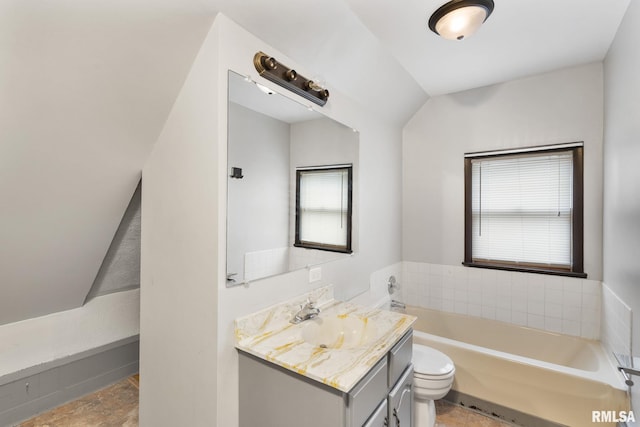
{"points": [[349, 367]]}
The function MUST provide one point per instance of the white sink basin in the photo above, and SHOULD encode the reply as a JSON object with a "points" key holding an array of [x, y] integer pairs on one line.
{"points": [[339, 332]]}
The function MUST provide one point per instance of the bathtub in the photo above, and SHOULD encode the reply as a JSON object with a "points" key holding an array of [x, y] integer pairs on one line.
{"points": [[555, 377]]}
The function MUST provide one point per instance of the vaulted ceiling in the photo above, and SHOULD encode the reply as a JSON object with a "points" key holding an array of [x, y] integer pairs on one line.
{"points": [[85, 88]]}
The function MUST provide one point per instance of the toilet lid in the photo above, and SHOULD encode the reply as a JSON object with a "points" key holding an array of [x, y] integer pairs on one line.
{"points": [[429, 361]]}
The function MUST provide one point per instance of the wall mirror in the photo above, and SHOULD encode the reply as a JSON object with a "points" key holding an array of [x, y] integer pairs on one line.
{"points": [[272, 141]]}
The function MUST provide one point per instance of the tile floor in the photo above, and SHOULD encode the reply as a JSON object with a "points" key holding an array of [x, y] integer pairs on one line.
{"points": [[117, 406], [450, 415]]}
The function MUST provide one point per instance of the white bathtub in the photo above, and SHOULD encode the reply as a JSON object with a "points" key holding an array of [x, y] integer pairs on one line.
{"points": [[551, 376]]}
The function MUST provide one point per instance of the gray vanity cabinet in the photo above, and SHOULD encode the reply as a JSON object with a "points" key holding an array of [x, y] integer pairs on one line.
{"points": [[379, 417], [271, 396], [401, 401]]}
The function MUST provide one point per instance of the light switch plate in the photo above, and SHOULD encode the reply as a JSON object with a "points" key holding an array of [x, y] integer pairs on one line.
{"points": [[315, 274]]}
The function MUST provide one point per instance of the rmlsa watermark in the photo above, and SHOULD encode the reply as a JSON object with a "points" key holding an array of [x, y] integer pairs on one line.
{"points": [[612, 416]]}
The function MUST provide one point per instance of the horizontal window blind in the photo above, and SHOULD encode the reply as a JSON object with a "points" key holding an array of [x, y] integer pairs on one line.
{"points": [[323, 206], [522, 209]]}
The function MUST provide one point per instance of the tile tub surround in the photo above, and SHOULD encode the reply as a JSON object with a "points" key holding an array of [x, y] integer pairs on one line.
{"points": [[269, 335], [616, 323], [553, 303]]}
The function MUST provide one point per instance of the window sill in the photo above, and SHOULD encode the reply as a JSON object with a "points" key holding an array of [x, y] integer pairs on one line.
{"points": [[526, 270], [320, 247]]}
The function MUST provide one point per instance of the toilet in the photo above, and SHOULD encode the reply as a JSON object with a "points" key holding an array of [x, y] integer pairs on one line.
{"points": [[433, 373]]}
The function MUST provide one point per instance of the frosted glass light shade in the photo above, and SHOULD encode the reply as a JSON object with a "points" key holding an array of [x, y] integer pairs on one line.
{"points": [[461, 23], [459, 19]]}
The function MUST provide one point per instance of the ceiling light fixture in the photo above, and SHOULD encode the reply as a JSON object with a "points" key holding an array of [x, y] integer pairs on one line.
{"points": [[459, 19]]}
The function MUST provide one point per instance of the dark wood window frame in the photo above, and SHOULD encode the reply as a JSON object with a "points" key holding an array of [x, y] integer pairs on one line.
{"points": [[577, 268], [321, 246]]}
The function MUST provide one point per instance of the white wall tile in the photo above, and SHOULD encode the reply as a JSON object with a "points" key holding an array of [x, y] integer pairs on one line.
{"points": [[552, 294], [436, 269], [570, 284], [591, 287], [503, 301], [461, 296], [435, 304], [535, 307], [572, 313], [553, 324], [424, 301], [436, 292], [571, 327], [590, 301], [573, 299], [590, 330], [489, 300], [460, 307], [519, 318], [475, 297], [447, 293], [488, 312], [474, 310], [503, 315], [555, 303], [553, 309], [616, 323], [447, 305], [535, 291], [519, 302], [535, 321], [474, 275]]}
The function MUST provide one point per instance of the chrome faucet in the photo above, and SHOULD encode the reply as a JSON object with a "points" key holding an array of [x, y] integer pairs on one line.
{"points": [[627, 366], [307, 311], [398, 304]]}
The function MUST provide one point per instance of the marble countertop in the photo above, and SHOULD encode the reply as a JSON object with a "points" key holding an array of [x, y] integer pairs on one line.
{"points": [[269, 335]]}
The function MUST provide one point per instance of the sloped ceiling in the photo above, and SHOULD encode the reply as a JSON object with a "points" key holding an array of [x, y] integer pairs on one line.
{"points": [[329, 39], [85, 88], [520, 38]]}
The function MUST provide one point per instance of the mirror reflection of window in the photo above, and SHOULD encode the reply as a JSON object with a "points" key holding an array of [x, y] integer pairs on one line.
{"points": [[323, 208], [268, 137]]}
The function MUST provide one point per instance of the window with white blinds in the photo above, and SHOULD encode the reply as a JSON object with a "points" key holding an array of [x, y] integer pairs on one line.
{"points": [[323, 208], [521, 210]]}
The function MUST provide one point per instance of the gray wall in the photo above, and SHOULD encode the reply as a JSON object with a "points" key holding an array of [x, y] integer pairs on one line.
{"points": [[184, 239], [621, 169], [48, 385], [258, 204], [120, 269], [75, 137], [556, 107]]}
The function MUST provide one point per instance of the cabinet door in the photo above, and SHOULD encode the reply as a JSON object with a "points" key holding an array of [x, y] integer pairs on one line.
{"points": [[379, 417], [401, 401], [365, 397]]}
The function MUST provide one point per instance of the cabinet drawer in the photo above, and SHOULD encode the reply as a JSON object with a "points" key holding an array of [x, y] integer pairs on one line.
{"points": [[365, 397], [400, 357]]}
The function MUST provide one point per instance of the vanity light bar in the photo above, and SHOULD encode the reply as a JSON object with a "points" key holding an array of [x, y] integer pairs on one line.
{"points": [[289, 79], [525, 150]]}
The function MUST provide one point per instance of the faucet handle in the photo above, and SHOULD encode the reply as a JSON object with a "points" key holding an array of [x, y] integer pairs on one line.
{"points": [[392, 285], [310, 303]]}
